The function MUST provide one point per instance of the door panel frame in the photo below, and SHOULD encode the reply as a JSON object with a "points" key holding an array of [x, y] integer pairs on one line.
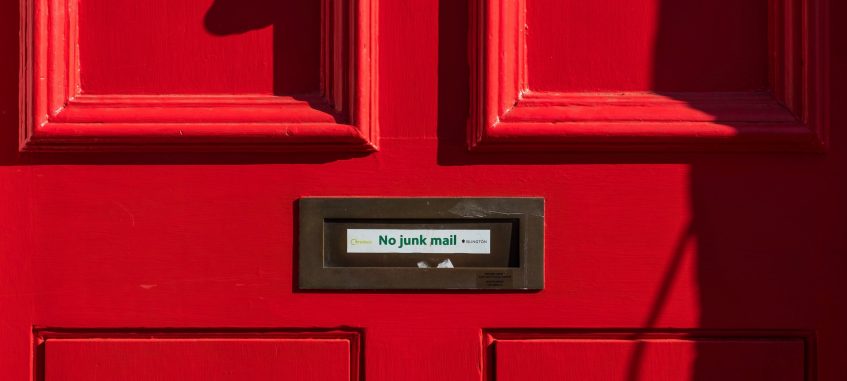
{"points": [[508, 116], [56, 115]]}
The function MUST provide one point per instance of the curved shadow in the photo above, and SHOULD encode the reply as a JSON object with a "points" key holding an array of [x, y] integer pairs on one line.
{"points": [[296, 55], [226, 17], [296, 37]]}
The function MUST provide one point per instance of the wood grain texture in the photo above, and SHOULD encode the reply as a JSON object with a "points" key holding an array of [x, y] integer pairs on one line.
{"points": [[649, 359], [647, 45], [197, 359], [325, 103], [629, 69], [120, 53]]}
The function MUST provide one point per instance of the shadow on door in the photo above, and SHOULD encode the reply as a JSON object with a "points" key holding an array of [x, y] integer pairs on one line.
{"points": [[765, 227], [297, 41]]}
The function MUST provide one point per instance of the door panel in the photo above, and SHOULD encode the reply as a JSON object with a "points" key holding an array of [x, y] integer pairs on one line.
{"points": [[643, 81], [650, 359], [120, 47], [656, 45], [115, 77], [197, 358]]}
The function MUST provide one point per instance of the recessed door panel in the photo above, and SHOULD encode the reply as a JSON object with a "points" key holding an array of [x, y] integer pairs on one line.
{"points": [[650, 359], [197, 358], [647, 45], [199, 47]]}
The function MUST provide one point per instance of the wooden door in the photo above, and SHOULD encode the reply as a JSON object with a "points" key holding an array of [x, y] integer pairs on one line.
{"points": [[691, 156]]}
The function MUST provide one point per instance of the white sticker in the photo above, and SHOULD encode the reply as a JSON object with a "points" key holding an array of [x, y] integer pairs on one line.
{"points": [[443, 241]]}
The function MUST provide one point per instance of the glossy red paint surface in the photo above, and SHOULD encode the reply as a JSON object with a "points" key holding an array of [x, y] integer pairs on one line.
{"points": [[657, 359], [324, 102], [195, 358], [669, 52], [778, 106], [721, 247]]}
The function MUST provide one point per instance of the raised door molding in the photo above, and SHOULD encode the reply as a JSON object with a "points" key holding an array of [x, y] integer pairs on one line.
{"points": [[507, 115], [56, 114]]}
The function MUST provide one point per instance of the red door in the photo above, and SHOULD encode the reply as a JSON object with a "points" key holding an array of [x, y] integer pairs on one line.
{"points": [[691, 156]]}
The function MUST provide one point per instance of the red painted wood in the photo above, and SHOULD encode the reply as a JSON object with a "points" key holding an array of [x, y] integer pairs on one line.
{"points": [[650, 45], [120, 244], [649, 51], [195, 109], [245, 52], [196, 359], [724, 108], [653, 359], [332, 74]]}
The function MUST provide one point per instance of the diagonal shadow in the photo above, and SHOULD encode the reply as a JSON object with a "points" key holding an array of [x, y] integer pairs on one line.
{"points": [[660, 301], [684, 61]]}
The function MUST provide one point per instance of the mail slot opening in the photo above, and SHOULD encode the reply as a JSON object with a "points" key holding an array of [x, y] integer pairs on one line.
{"points": [[437, 243], [421, 243]]}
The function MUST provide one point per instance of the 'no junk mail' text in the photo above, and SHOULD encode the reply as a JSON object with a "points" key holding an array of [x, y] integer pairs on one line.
{"points": [[419, 241]]}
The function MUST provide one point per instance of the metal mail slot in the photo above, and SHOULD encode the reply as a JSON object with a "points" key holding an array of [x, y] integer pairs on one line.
{"points": [[421, 243]]}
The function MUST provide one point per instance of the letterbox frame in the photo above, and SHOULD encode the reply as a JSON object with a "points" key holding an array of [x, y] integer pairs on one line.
{"points": [[315, 211]]}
